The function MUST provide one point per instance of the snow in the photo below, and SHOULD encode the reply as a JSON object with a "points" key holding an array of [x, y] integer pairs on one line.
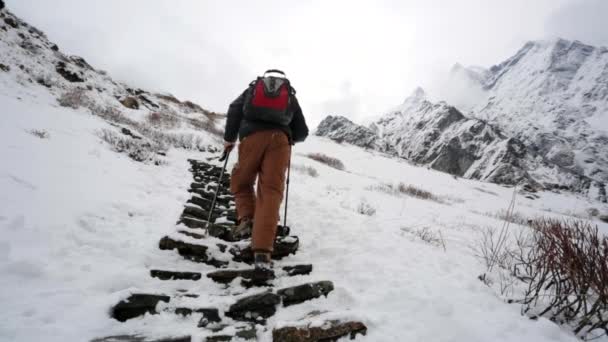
{"points": [[81, 225]]}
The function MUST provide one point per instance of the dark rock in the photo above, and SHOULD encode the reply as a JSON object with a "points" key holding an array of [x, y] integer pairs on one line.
{"points": [[301, 293], [340, 129], [298, 270], [139, 338], [5, 68], [210, 315], [227, 276], [54, 47], [283, 246], [11, 22], [79, 61], [173, 275], [192, 252], [603, 218], [128, 132], [137, 305], [130, 102], [254, 308], [147, 102], [62, 70], [43, 82], [2, 5], [331, 331]]}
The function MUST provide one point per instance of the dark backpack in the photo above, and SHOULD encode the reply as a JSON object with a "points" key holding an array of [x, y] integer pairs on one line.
{"points": [[269, 99]]}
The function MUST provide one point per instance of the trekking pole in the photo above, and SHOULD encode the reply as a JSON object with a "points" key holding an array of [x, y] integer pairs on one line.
{"points": [[287, 190], [224, 158]]}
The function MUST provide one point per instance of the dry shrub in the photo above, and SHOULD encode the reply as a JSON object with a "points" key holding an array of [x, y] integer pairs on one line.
{"points": [[327, 160], [365, 208], [75, 98], [563, 268], [512, 217], [208, 125], [163, 120], [427, 235], [309, 170], [40, 133], [137, 149], [404, 189], [565, 264]]}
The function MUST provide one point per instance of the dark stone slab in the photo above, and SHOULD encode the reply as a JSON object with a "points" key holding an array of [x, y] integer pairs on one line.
{"points": [[298, 270], [174, 275], [192, 252], [283, 247], [137, 305], [210, 315], [301, 293], [193, 222], [254, 308], [332, 331], [227, 276], [139, 338]]}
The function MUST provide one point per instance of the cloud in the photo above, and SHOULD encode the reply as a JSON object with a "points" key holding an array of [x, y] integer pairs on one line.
{"points": [[356, 58], [582, 20]]}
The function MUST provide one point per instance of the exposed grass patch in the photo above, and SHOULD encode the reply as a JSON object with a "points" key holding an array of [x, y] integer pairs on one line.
{"points": [[40, 133], [364, 208], [308, 170], [406, 189], [327, 160]]}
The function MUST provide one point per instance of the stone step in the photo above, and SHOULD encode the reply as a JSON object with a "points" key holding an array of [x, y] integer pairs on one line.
{"points": [[203, 214], [239, 331], [329, 331], [256, 308], [283, 247], [209, 315], [140, 338], [227, 276], [190, 251], [206, 203], [175, 275], [225, 198], [301, 293], [137, 305]]}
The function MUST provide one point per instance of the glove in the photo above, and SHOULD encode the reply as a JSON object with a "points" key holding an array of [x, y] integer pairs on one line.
{"points": [[228, 146]]}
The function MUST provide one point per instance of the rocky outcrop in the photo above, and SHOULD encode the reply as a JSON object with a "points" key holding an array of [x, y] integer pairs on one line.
{"points": [[130, 102], [439, 136], [340, 129]]}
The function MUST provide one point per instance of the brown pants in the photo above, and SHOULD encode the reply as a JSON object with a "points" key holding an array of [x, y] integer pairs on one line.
{"points": [[265, 155]]}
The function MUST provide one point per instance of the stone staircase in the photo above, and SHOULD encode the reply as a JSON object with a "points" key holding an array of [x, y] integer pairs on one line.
{"points": [[248, 313]]}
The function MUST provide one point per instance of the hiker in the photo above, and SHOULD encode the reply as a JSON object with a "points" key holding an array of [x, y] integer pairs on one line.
{"points": [[268, 120]]}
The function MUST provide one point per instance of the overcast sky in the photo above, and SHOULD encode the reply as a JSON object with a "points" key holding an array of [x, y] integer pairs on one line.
{"points": [[352, 58]]}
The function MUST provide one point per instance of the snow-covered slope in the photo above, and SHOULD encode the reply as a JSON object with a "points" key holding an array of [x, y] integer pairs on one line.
{"points": [[553, 95], [31, 65]]}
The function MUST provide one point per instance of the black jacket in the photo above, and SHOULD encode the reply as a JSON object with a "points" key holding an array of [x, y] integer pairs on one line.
{"points": [[236, 125]]}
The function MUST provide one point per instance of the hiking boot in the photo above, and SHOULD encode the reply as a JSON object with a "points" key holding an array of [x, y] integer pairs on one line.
{"points": [[243, 229], [262, 272]]}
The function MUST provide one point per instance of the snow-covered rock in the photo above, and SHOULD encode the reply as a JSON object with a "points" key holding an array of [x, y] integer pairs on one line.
{"points": [[540, 117], [552, 95]]}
